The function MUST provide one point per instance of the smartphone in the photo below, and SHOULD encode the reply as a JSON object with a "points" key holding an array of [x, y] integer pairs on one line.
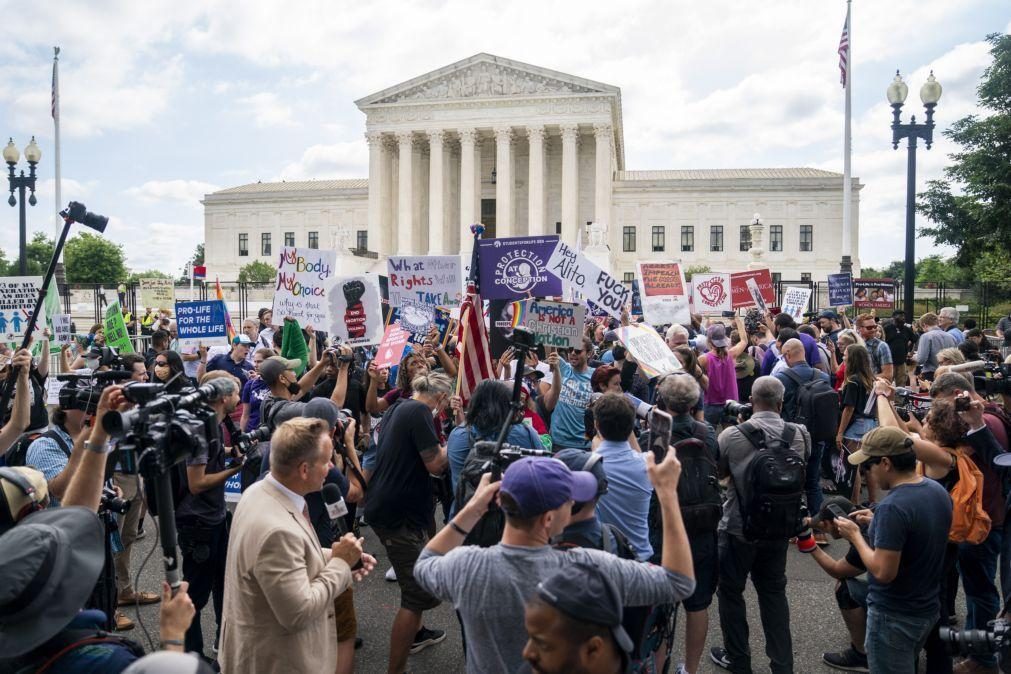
{"points": [[963, 402], [659, 434], [729, 314], [837, 511]]}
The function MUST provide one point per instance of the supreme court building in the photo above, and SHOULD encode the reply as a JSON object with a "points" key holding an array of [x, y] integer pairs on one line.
{"points": [[527, 150]]}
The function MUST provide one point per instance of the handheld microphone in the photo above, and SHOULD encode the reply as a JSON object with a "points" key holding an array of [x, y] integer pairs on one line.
{"points": [[336, 508]]}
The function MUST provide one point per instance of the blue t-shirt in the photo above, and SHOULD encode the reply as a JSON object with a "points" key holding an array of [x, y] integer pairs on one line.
{"points": [[626, 503], [99, 658], [567, 423], [254, 392], [913, 519], [223, 361], [458, 447]]}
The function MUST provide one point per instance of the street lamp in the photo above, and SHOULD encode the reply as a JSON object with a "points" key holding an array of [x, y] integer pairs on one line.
{"points": [[19, 182], [930, 94]]}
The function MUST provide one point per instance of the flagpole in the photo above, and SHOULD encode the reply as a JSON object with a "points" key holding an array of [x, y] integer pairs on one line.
{"points": [[846, 264], [58, 223]]}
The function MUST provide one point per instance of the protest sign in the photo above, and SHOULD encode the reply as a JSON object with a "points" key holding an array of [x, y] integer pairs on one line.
{"points": [[356, 309], [157, 293], [415, 317], [200, 323], [61, 330], [517, 267], [840, 290], [303, 282], [636, 299], [53, 388], [433, 280], [577, 270], [649, 350], [742, 296], [500, 327], [391, 348], [18, 295], [874, 293], [233, 488], [711, 294], [756, 295], [116, 335], [795, 301], [557, 324], [663, 293]]}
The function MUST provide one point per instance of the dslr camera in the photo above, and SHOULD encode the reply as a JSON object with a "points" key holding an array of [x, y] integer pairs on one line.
{"points": [[994, 639], [732, 410]]}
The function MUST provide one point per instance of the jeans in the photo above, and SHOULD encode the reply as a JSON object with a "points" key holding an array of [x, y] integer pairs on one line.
{"points": [[978, 566], [812, 482], [894, 640], [713, 414], [765, 562], [203, 550]]}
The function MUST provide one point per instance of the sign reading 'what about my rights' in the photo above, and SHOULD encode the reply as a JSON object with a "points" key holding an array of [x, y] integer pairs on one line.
{"points": [[303, 278], [432, 280]]}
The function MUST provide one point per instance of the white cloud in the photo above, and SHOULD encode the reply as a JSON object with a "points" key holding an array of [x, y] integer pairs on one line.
{"points": [[163, 246], [339, 160], [267, 110], [187, 192]]}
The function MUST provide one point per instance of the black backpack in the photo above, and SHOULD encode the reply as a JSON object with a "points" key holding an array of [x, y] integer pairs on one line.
{"points": [[488, 531], [612, 538], [17, 455], [776, 479], [817, 406], [699, 486], [46, 658]]}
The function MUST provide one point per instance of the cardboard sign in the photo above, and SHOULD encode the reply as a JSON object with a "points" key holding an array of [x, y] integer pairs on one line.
{"points": [[840, 290], [595, 284], [157, 293], [391, 348], [415, 317], [116, 335], [663, 293], [201, 323], [433, 280], [711, 294], [557, 324], [517, 267], [53, 388], [795, 301], [61, 330], [874, 293], [303, 281], [18, 295], [356, 309], [756, 295], [741, 294], [649, 350]]}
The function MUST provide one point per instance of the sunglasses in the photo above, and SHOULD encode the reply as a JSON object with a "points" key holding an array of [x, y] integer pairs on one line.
{"points": [[161, 363]]}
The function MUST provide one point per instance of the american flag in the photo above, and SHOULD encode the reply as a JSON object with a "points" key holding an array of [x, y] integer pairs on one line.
{"points": [[475, 352], [844, 50]]}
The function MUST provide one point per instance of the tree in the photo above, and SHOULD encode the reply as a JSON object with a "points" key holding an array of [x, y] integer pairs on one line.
{"points": [[92, 259], [39, 252], [696, 269], [196, 259], [971, 208], [257, 272], [136, 276]]}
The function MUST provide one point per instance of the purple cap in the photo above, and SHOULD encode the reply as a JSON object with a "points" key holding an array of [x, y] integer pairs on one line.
{"points": [[716, 335], [540, 484]]}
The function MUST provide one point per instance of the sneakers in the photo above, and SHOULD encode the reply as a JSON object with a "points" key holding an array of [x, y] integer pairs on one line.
{"points": [[141, 598], [391, 575], [123, 623], [425, 638], [718, 654], [681, 669], [848, 661]]}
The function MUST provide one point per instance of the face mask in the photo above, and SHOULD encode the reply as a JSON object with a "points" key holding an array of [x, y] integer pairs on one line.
{"points": [[293, 388], [161, 371]]}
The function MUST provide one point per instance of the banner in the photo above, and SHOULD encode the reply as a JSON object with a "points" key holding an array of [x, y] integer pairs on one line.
{"points": [[157, 293], [356, 309], [434, 280], [649, 350], [18, 295], [874, 293], [595, 284], [391, 347], [711, 294], [517, 268], [303, 279], [663, 293], [200, 323], [840, 290], [795, 301], [233, 488], [116, 335], [739, 288], [61, 330], [557, 324]]}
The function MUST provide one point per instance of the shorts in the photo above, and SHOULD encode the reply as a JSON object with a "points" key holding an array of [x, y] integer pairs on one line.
{"points": [[705, 561], [347, 620], [851, 593], [369, 458], [403, 547], [859, 427]]}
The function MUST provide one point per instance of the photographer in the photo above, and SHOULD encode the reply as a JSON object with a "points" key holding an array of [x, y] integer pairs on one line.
{"points": [[20, 413], [37, 371], [50, 453], [342, 384]]}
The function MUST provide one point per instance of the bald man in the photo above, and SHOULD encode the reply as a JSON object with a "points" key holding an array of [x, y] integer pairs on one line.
{"points": [[799, 372]]}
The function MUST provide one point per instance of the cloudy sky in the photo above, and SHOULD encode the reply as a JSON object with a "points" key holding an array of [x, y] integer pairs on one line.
{"points": [[163, 102]]}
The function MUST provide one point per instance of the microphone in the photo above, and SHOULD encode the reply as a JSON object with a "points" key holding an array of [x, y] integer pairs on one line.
{"points": [[335, 506], [970, 366], [213, 390]]}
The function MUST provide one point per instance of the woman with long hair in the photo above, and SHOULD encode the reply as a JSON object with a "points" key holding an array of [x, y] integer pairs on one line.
{"points": [[855, 421], [168, 369], [846, 338], [718, 364], [411, 366]]}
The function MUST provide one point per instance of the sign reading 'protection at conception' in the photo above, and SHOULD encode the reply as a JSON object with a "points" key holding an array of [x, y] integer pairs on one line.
{"points": [[517, 268]]}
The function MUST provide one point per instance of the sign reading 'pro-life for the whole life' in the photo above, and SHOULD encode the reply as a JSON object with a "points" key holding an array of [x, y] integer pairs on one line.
{"points": [[201, 323]]}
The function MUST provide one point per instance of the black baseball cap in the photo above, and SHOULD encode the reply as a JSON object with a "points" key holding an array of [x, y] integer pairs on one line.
{"points": [[586, 594], [582, 460], [826, 515]]}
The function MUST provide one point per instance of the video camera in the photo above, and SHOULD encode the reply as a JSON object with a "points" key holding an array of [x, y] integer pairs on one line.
{"points": [[83, 391], [909, 403], [996, 375], [994, 639], [504, 457]]}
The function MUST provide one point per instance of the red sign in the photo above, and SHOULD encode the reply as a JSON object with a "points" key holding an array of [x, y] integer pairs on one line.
{"points": [[391, 349], [199, 271], [739, 288]]}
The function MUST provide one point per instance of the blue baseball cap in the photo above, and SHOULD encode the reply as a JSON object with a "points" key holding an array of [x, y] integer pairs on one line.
{"points": [[538, 485]]}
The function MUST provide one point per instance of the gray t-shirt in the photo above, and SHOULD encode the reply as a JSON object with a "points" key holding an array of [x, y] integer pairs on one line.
{"points": [[489, 587]]}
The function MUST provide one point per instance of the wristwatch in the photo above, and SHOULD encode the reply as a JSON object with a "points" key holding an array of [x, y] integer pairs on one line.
{"points": [[102, 448]]}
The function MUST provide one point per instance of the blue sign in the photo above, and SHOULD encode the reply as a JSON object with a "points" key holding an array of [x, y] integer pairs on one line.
{"points": [[840, 290], [233, 488], [201, 323]]}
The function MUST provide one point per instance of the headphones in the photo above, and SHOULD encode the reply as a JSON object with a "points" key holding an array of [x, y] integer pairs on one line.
{"points": [[588, 467], [9, 518]]}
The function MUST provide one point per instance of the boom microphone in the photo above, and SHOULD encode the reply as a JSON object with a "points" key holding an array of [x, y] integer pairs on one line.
{"points": [[971, 366]]}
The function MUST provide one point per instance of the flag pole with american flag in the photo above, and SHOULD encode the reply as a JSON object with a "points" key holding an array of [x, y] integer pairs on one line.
{"points": [[846, 79], [474, 349]]}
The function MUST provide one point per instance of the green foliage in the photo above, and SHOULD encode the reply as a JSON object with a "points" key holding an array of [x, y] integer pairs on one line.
{"points": [[136, 276], [993, 264], [935, 269], [93, 259], [39, 252], [696, 269], [257, 272], [971, 207]]}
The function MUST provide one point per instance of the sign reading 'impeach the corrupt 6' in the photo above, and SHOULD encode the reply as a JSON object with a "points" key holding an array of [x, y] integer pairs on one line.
{"points": [[588, 279], [663, 293], [303, 277], [557, 324]]}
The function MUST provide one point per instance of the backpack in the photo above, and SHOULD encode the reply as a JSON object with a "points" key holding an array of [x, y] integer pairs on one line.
{"points": [[969, 522], [17, 455], [699, 486], [46, 657], [817, 406], [488, 531], [776, 478]]}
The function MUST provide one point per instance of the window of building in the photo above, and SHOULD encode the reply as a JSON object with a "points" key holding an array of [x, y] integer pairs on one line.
{"points": [[745, 238], [628, 239], [776, 238], [628, 277], [716, 238], [265, 244], [314, 239], [806, 238], [805, 277], [243, 245], [687, 238], [362, 241], [558, 228], [659, 238], [289, 239], [777, 278]]}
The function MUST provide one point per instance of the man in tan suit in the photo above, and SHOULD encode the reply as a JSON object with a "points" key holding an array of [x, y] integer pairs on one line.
{"points": [[280, 585]]}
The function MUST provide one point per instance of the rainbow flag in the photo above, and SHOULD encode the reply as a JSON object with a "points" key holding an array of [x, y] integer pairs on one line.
{"points": [[228, 318], [519, 313]]}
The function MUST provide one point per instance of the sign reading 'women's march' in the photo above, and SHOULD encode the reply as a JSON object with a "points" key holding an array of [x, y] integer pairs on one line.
{"points": [[517, 268], [587, 278], [303, 279]]}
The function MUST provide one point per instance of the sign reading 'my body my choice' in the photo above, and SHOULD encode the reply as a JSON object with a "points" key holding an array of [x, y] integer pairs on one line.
{"points": [[303, 279]]}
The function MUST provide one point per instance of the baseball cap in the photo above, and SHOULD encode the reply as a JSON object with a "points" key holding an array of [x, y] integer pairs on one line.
{"points": [[716, 335], [582, 460], [828, 313], [22, 491], [272, 368], [317, 408], [241, 339], [538, 485], [825, 515], [586, 594], [882, 441]]}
